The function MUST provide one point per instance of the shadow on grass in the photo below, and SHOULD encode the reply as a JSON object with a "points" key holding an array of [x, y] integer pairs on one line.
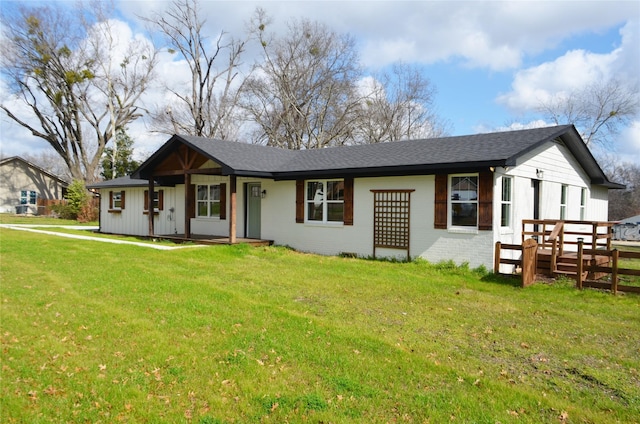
{"points": [[506, 280]]}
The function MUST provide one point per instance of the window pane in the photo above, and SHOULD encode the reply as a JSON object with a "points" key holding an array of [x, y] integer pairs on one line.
{"points": [[202, 209], [202, 193], [315, 191], [464, 214], [505, 218], [335, 190], [214, 208], [314, 211], [214, 193], [563, 195], [335, 212], [464, 188], [506, 189]]}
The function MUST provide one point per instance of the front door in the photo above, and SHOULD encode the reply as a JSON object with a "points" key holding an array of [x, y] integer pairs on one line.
{"points": [[254, 197]]}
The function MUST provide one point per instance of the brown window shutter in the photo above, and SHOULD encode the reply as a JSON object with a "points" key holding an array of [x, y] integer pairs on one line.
{"points": [[122, 199], [485, 201], [223, 201], [111, 200], [348, 201], [299, 201], [440, 205], [146, 200], [160, 200]]}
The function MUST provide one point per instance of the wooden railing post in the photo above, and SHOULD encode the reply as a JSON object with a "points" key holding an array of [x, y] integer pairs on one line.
{"points": [[580, 264], [529, 262], [496, 258], [614, 274], [552, 265]]}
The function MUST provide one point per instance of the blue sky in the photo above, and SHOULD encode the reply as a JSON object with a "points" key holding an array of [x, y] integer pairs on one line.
{"points": [[491, 62]]}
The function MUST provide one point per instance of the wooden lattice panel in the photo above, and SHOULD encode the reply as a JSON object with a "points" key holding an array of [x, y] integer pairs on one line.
{"points": [[391, 219]]}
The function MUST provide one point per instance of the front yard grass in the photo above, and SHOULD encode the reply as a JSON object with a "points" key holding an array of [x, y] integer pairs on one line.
{"points": [[94, 332]]}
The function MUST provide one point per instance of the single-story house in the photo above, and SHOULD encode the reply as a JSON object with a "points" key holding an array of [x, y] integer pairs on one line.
{"points": [[24, 185], [440, 199], [628, 229]]}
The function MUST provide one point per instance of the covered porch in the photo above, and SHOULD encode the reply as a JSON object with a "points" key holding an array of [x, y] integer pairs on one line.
{"points": [[212, 240]]}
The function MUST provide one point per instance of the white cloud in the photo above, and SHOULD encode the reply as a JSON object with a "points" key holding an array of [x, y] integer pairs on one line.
{"points": [[574, 70], [628, 146]]}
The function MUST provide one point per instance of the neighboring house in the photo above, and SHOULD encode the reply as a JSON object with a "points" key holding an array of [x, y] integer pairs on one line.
{"points": [[627, 229], [450, 198], [23, 185]]}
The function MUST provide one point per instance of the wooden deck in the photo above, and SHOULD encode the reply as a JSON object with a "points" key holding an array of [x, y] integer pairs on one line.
{"points": [[212, 240], [567, 263]]}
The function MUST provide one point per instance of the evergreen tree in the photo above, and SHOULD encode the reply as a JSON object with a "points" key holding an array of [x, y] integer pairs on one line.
{"points": [[118, 161]]}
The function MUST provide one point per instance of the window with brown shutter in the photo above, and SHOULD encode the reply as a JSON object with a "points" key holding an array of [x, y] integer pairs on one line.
{"points": [[158, 200], [326, 201]]}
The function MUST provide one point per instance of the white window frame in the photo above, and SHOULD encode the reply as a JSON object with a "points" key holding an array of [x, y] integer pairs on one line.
{"points": [[28, 197], [506, 202], [319, 200], [116, 200], [209, 202], [583, 203], [451, 202], [564, 194]]}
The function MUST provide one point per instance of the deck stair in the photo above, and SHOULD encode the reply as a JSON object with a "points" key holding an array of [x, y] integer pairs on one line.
{"points": [[558, 245]]}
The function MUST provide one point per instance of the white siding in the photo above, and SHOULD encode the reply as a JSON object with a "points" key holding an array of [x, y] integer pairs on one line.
{"points": [[278, 224]]}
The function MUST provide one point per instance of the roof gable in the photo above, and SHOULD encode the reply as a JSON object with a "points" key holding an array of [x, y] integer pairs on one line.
{"points": [[35, 167]]}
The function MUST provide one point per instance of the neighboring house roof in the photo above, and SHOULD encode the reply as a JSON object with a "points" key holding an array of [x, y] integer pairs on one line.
{"points": [[36, 167], [126, 181], [411, 157]]}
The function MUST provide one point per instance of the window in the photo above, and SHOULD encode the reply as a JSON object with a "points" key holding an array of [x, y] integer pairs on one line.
{"points": [[208, 201], [158, 200], [505, 210], [325, 201], [28, 197], [463, 199], [116, 201], [563, 202], [583, 202]]}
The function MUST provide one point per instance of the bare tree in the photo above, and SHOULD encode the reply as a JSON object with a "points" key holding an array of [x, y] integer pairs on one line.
{"points": [[397, 105], [598, 110], [303, 94], [63, 65], [50, 161], [208, 107], [622, 203]]}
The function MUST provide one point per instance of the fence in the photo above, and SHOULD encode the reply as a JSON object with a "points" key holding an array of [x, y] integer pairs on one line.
{"points": [[613, 269], [527, 261]]}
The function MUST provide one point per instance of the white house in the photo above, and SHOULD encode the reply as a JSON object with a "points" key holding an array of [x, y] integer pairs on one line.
{"points": [[448, 198]]}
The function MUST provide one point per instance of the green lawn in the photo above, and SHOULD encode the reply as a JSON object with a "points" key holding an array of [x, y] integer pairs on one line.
{"points": [[9, 218], [94, 332]]}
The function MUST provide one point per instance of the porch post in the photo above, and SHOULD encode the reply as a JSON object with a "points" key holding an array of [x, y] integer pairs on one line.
{"points": [[232, 209], [150, 207], [187, 205]]}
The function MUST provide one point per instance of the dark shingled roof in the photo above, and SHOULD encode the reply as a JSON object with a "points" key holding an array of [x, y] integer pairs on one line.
{"points": [[428, 156]]}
